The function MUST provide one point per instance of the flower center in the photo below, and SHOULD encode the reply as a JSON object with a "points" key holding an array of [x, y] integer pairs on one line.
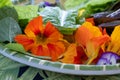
{"points": [[40, 38]]}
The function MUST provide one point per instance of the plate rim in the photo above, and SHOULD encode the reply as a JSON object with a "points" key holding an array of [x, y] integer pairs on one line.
{"points": [[64, 68]]}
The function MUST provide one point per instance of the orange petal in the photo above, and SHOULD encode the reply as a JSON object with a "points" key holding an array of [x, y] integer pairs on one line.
{"points": [[52, 33], [25, 41], [91, 20], [70, 54], [98, 41], [56, 49], [93, 29], [34, 27], [94, 45], [41, 50], [83, 35]]}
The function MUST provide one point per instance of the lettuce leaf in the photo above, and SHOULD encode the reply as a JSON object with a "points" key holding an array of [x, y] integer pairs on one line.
{"points": [[26, 13], [69, 4], [60, 18]]}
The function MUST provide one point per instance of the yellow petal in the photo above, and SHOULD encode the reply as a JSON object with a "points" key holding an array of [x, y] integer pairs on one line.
{"points": [[93, 29], [114, 45]]}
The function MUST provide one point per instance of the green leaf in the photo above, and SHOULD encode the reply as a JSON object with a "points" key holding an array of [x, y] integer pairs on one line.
{"points": [[26, 13], [8, 68], [68, 31], [51, 14], [72, 3], [4, 62], [98, 6], [59, 76], [59, 17], [9, 28], [16, 47], [5, 3], [29, 74], [8, 12], [65, 21], [9, 74]]}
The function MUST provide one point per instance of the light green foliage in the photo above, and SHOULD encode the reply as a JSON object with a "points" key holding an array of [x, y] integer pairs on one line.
{"points": [[15, 47], [26, 13], [5, 3]]}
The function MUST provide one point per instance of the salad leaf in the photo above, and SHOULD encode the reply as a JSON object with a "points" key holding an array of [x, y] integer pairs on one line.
{"points": [[8, 29], [5, 3], [97, 6], [69, 4], [72, 3], [88, 8], [16, 47], [60, 17], [26, 13], [8, 12]]}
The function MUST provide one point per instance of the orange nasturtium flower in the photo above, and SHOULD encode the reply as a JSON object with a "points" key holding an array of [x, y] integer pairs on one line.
{"points": [[91, 39], [42, 40], [88, 44]]}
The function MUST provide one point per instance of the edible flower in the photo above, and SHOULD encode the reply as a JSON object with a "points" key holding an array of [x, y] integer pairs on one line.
{"points": [[91, 39], [42, 40], [108, 58], [112, 51]]}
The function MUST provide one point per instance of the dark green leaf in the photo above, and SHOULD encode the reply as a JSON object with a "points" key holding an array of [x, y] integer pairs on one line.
{"points": [[8, 12], [29, 74], [8, 29]]}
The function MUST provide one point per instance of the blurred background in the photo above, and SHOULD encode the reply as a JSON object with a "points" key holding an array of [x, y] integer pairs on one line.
{"points": [[26, 2], [41, 3]]}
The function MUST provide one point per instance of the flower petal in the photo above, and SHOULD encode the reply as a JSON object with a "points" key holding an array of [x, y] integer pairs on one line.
{"points": [[91, 20], [83, 35], [93, 29], [25, 41], [56, 49], [69, 55], [94, 45], [41, 50], [34, 27], [81, 57], [52, 33], [115, 41]]}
